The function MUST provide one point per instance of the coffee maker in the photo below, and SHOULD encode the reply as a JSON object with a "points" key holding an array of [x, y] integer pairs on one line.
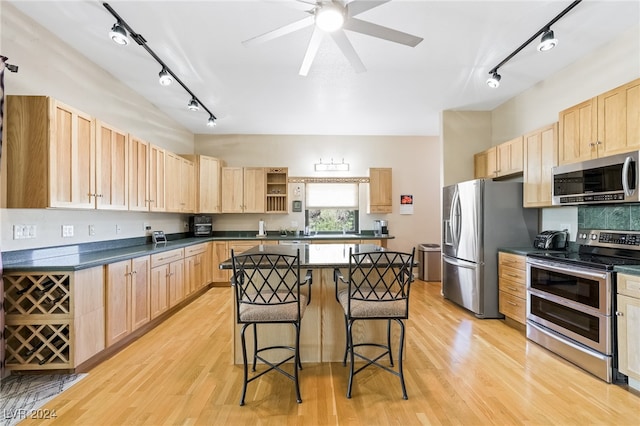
{"points": [[384, 228]]}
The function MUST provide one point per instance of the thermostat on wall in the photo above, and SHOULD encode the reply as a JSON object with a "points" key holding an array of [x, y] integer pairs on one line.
{"points": [[296, 206], [159, 237]]}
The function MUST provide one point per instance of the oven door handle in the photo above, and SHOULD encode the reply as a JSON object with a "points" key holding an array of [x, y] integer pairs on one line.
{"points": [[567, 303], [564, 269]]}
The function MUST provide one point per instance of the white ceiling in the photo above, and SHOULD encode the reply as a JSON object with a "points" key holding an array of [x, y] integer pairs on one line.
{"points": [[257, 90]]}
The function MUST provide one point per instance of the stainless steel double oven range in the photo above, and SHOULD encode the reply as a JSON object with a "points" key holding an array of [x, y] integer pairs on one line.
{"points": [[571, 299]]}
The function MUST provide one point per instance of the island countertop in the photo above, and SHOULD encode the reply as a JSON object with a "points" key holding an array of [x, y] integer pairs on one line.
{"points": [[313, 255]]}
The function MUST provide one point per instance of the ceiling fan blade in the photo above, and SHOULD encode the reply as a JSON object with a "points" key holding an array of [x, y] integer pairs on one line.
{"points": [[279, 32], [358, 6], [375, 30], [312, 49], [347, 49]]}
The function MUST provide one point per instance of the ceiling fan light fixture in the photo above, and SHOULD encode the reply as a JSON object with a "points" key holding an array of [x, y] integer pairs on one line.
{"points": [[118, 34], [165, 78], [211, 122], [330, 17], [547, 42], [193, 105], [494, 80]]}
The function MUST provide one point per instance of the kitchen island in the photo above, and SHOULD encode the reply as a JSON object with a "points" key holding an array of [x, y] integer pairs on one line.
{"points": [[322, 337]]}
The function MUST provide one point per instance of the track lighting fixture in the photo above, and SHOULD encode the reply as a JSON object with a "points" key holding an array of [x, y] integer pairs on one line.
{"points": [[193, 105], [165, 78], [547, 42], [494, 80], [119, 35]]}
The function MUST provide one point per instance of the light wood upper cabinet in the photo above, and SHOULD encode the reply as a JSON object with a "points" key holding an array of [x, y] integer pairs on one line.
{"points": [[540, 156], [277, 190], [179, 184], [112, 167], [50, 154], [601, 126], [619, 119], [509, 157], [157, 198], [139, 162], [243, 190], [380, 190], [207, 183]]}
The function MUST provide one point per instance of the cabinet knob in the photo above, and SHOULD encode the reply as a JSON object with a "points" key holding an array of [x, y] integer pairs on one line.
{"points": [[619, 314]]}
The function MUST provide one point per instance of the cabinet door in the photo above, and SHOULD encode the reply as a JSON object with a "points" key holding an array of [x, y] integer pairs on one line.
{"points": [[254, 188], [541, 155], [118, 319], [219, 253], [159, 290], [173, 170], [112, 168], [140, 291], [138, 175], [232, 192], [380, 190], [72, 158], [187, 185], [156, 179], [628, 320], [208, 199], [619, 119], [480, 165], [176, 282], [578, 133]]}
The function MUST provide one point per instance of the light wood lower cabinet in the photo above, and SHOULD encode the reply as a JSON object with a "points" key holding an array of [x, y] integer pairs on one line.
{"points": [[54, 319], [628, 322], [197, 259], [127, 297], [512, 286], [167, 280]]}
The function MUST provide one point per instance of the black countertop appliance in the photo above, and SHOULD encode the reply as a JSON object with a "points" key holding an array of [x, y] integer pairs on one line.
{"points": [[201, 225]]}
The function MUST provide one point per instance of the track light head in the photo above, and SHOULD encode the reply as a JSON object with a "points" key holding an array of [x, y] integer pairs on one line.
{"points": [[494, 80], [118, 34], [165, 78], [547, 42], [193, 105], [330, 17], [211, 122]]}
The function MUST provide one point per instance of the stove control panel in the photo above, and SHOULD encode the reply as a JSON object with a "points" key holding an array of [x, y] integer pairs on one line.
{"points": [[609, 238]]}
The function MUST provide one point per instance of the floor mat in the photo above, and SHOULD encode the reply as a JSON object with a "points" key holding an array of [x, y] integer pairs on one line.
{"points": [[22, 395]]}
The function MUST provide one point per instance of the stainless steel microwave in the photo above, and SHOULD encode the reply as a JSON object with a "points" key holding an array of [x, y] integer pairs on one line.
{"points": [[612, 179]]}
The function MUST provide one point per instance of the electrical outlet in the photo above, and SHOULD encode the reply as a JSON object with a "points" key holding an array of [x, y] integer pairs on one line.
{"points": [[92, 230], [30, 231], [67, 231], [146, 227], [186, 226], [118, 229]]}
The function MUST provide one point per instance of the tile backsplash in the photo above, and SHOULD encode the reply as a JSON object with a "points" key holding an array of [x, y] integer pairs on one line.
{"points": [[618, 217]]}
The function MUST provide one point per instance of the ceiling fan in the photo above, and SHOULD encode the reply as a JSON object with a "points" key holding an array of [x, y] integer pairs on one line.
{"points": [[332, 17]]}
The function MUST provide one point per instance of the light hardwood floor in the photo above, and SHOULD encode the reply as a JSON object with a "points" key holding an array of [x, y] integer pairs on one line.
{"points": [[459, 371]]}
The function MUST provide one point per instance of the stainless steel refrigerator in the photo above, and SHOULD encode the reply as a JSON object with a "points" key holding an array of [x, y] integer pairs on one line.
{"points": [[480, 216]]}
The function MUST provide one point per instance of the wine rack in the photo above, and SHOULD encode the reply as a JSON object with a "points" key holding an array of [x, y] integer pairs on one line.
{"points": [[277, 190], [39, 312]]}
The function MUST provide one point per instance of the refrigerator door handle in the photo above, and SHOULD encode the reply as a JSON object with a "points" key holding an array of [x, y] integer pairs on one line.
{"points": [[448, 240], [454, 216]]}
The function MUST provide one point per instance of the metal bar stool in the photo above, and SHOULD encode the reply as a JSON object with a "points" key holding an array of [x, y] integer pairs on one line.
{"points": [[267, 291], [377, 288]]}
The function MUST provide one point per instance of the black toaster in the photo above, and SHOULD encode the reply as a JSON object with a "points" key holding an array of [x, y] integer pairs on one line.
{"points": [[551, 240]]}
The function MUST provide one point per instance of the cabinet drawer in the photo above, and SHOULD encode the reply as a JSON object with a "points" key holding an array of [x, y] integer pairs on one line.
{"points": [[516, 275], [513, 307], [629, 285], [513, 287], [166, 257], [195, 249], [513, 260]]}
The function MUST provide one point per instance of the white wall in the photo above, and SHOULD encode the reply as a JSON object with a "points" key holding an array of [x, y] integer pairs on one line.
{"points": [[416, 170]]}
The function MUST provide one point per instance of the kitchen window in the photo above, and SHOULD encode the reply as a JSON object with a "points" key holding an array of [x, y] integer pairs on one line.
{"points": [[332, 207]]}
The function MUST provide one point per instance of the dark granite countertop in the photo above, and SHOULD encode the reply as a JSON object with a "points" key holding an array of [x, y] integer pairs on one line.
{"points": [[82, 256]]}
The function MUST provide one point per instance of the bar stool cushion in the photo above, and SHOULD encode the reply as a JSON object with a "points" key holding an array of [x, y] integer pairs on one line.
{"points": [[379, 308], [287, 311]]}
